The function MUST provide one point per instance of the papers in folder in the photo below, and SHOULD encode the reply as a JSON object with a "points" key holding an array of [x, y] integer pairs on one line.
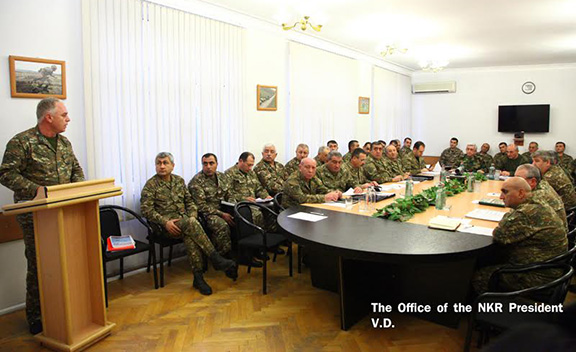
{"points": [[444, 223], [482, 214], [308, 216]]}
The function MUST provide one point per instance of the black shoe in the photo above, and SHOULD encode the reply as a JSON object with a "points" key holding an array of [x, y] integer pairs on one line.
{"points": [[232, 273], [261, 256], [201, 285], [251, 262], [35, 327], [220, 263]]}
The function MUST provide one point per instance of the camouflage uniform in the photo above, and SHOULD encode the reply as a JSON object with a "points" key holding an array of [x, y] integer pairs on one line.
{"points": [[162, 201], [566, 163], [271, 177], [511, 165], [207, 193], [451, 157], [528, 234], [546, 194], [411, 164], [474, 163], [357, 174], [297, 190], [487, 159], [341, 181], [393, 167], [290, 167], [404, 150], [528, 157], [557, 178], [318, 161], [347, 156], [375, 170], [30, 161], [499, 158]]}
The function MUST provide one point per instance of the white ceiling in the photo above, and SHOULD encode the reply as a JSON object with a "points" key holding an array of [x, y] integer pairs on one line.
{"points": [[467, 33]]}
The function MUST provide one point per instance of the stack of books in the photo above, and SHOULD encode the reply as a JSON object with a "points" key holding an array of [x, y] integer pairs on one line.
{"points": [[120, 243]]}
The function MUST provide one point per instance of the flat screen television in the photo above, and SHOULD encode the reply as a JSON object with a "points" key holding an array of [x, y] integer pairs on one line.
{"points": [[527, 118]]}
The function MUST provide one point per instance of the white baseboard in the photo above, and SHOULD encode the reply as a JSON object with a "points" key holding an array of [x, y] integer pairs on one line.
{"points": [[13, 308]]}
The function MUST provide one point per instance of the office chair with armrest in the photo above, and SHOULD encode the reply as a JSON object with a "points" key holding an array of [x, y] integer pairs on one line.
{"points": [[278, 204], [555, 292], [255, 238], [156, 238], [110, 226]]}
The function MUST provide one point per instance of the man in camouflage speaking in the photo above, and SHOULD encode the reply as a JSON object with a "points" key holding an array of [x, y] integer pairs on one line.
{"points": [[38, 157]]}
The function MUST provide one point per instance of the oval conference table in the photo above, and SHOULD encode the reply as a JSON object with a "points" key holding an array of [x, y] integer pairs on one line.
{"points": [[373, 260]]}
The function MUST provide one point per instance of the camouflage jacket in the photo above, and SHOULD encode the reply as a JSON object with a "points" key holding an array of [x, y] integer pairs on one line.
{"points": [[271, 177], [404, 150], [290, 167], [557, 178], [208, 192], [357, 174], [393, 167], [566, 163], [544, 193], [473, 163], [499, 158], [411, 164], [347, 156], [487, 159], [318, 161], [511, 165], [528, 157], [342, 181], [375, 170], [297, 190], [531, 233], [243, 185], [162, 201], [451, 157], [30, 161]]}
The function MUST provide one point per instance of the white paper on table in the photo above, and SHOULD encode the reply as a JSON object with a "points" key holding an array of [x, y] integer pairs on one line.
{"points": [[483, 214], [476, 201], [307, 216], [430, 173], [335, 204], [350, 192], [478, 230], [392, 186], [437, 167], [493, 194], [403, 182]]}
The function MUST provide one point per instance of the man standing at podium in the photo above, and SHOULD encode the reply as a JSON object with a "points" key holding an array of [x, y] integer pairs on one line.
{"points": [[38, 157]]}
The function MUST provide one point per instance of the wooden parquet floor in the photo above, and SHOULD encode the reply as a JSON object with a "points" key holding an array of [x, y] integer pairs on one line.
{"points": [[294, 316]]}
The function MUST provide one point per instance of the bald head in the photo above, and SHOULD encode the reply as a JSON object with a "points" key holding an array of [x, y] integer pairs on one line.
{"points": [[307, 168], [391, 152], [515, 191], [512, 151]]}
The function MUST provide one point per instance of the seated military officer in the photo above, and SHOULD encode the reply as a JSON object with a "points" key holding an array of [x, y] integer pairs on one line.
{"points": [[355, 168], [305, 187], [302, 152], [531, 232], [367, 147], [244, 184], [334, 177], [564, 160], [532, 148], [165, 201], [486, 158], [322, 155], [512, 161], [394, 142], [556, 177], [541, 190], [393, 166], [501, 156], [374, 168], [332, 145], [352, 145], [407, 147], [452, 156], [269, 171], [413, 162], [472, 162], [208, 188]]}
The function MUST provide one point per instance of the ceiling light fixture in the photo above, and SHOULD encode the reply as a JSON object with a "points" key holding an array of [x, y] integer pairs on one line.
{"points": [[392, 49], [433, 65], [304, 23]]}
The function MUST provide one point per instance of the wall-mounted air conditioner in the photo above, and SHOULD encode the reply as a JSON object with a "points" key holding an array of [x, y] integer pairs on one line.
{"points": [[434, 87]]}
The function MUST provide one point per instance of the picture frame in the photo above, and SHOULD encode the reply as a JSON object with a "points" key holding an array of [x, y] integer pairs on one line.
{"points": [[37, 78], [267, 98], [363, 105]]}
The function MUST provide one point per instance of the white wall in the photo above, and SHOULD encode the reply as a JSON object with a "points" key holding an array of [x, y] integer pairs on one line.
{"points": [[471, 114], [43, 29]]}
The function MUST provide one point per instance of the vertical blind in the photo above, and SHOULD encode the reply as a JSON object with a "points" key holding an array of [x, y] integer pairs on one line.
{"points": [[391, 105], [158, 79]]}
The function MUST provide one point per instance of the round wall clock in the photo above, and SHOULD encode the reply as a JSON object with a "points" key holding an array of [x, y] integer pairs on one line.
{"points": [[528, 87]]}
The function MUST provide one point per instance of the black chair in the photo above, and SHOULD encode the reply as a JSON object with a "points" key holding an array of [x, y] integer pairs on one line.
{"points": [[156, 238], [110, 226], [570, 217], [278, 204], [553, 292], [253, 237]]}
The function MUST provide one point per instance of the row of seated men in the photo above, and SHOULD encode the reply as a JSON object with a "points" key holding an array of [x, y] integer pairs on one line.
{"points": [[167, 201]]}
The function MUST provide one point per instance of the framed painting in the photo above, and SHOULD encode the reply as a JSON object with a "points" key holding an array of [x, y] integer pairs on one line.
{"points": [[363, 105], [267, 98], [37, 78]]}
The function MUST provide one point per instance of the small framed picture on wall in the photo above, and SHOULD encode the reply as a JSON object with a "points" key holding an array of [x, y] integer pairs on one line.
{"points": [[267, 98], [37, 78], [363, 105]]}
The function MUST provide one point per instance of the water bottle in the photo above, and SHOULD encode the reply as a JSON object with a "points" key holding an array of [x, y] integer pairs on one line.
{"points": [[470, 183], [443, 175], [491, 172], [440, 198], [409, 188]]}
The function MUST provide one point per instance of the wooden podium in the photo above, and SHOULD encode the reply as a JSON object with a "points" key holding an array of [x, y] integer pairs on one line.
{"points": [[68, 251]]}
